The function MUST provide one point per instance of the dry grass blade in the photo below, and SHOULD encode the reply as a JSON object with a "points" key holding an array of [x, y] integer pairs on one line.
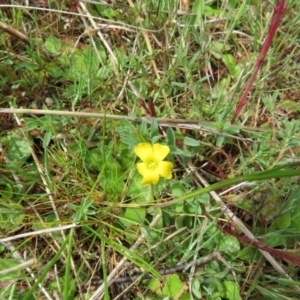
{"points": [[166, 122]]}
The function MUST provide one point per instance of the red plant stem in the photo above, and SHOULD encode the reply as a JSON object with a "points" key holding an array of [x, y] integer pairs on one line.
{"points": [[278, 12], [150, 108], [279, 253], [143, 105]]}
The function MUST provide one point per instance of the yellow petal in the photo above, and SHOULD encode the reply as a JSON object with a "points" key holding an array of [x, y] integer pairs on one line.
{"points": [[149, 176], [165, 169], [160, 152], [142, 168], [144, 151]]}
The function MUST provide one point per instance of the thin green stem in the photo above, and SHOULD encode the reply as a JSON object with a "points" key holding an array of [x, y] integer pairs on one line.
{"points": [[151, 193]]}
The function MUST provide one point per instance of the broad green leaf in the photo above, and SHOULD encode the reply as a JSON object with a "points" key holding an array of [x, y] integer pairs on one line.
{"points": [[84, 63], [138, 192], [177, 189], [18, 150], [275, 239], [155, 286], [231, 290], [174, 286], [53, 44], [205, 198], [229, 244], [134, 216]]}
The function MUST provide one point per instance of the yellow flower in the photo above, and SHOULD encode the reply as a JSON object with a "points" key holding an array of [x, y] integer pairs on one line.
{"points": [[152, 165]]}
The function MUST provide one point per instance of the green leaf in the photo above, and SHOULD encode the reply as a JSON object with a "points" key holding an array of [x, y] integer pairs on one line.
{"points": [[205, 198], [218, 49], [47, 138], [144, 129], [220, 90], [11, 215], [233, 67], [84, 64], [295, 224], [198, 9], [196, 288], [18, 150], [106, 12], [6, 192], [134, 216], [190, 142], [229, 244], [231, 290], [154, 128], [194, 58], [137, 191], [179, 220], [174, 286], [220, 141], [187, 153], [155, 139], [283, 221], [290, 106], [177, 189], [154, 285], [31, 124], [125, 156], [171, 137], [250, 254], [53, 44]]}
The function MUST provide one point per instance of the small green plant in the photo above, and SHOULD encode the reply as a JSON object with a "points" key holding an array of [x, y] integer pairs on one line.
{"points": [[82, 211]]}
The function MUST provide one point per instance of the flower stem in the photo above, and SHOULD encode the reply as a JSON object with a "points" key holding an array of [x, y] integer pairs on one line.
{"points": [[151, 193]]}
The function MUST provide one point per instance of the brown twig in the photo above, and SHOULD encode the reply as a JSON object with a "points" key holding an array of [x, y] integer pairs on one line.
{"points": [[278, 12], [12, 31], [24, 38]]}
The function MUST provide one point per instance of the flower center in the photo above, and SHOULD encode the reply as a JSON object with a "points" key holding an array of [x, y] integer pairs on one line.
{"points": [[152, 165]]}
